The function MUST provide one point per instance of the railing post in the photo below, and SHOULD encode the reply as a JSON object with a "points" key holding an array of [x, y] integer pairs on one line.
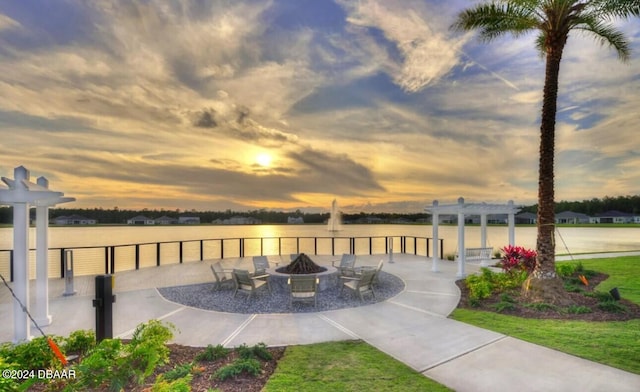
{"points": [[201, 250], [427, 247], [158, 254], [261, 247], [298, 245], [62, 267], [222, 248], [113, 260], [415, 246], [386, 245], [333, 246], [442, 248], [11, 265], [180, 249], [370, 245], [279, 246], [106, 260], [315, 245], [137, 256], [241, 247]]}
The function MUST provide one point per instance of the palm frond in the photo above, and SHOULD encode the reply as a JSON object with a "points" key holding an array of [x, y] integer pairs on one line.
{"points": [[496, 19], [605, 33], [609, 9]]}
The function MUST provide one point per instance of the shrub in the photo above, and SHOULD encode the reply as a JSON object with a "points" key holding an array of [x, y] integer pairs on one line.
{"points": [[182, 384], [601, 296], [612, 306], [112, 364], [541, 306], [504, 305], [178, 371], [35, 354], [249, 366], [518, 258], [80, 342], [574, 309], [6, 383], [565, 270], [212, 353], [479, 287]]}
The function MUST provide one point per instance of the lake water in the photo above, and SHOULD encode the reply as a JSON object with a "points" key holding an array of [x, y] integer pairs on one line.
{"points": [[568, 240]]}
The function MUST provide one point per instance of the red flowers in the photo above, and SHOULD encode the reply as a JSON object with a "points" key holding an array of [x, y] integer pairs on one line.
{"points": [[518, 258]]}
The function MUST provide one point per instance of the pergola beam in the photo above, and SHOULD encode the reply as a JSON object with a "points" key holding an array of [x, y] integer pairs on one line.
{"points": [[462, 209]]}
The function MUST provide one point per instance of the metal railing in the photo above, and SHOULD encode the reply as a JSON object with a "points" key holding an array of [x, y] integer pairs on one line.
{"points": [[109, 259]]}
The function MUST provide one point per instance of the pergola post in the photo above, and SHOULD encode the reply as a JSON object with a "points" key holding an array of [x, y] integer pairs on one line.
{"points": [[20, 194], [512, 224], [41, 306], [21, 327], [461, 253]]}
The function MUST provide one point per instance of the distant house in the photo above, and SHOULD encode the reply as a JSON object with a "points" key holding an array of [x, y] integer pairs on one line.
{"points": [[613, 217], [295, 220], [526, 218], [572, 217], [189, 220], [74, 220], [238, 220], [140, 220], [166, 220]]}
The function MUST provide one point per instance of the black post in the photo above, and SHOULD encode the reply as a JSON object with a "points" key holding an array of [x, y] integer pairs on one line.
{"points": [[113, 259], [201, 250], [11, 265], [180, 252], [441, 248], [427, 247], [158, 254], [221, 248], [104, 307], [62, 266], [137, 256]]}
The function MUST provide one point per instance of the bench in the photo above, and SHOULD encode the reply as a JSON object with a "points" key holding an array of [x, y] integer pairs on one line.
{"points": [[483, 255]]}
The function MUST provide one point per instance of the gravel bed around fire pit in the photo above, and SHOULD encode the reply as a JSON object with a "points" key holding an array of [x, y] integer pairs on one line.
{"points": [[204, 296]]}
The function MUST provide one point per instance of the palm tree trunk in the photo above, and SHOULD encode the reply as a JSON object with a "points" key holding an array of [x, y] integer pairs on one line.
{"points": [[544, 285]]}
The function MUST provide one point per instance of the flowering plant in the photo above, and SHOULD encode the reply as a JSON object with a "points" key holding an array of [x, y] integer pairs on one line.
{"points": [[518, 258]]}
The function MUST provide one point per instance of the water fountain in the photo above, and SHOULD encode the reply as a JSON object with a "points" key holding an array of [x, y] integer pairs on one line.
{"points": [[334, 219]]}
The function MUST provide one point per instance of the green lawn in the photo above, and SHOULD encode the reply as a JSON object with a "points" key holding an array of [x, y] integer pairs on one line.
{"points": [[345, 366], [612, 343]]}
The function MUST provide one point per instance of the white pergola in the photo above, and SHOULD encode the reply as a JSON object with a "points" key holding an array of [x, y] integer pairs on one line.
{"points": [[21, 194], [462, 209]]}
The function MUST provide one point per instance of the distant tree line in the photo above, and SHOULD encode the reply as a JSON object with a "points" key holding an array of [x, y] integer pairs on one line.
{"points": [[628, 204]]}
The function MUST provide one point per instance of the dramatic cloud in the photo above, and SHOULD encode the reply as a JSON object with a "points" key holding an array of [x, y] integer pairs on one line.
{"points": [[282, 104]]}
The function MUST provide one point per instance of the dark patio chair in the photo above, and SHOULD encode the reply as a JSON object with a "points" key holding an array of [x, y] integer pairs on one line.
{"points": [[303, 288], [222, 276], [248, 284], [362, 284], [347, 265]]}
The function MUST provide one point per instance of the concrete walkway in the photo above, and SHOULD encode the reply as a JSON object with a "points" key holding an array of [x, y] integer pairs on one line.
{"points": [[412, 327]]}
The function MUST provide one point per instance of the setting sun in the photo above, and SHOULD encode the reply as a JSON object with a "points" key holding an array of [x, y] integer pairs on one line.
{"points": [[263, 159]]}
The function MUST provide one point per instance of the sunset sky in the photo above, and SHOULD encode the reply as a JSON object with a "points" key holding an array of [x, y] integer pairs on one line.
{"points": [[215, 105]]}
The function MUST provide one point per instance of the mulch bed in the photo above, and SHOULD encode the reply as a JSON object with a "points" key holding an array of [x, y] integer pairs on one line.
{"points": [[596, 314]]}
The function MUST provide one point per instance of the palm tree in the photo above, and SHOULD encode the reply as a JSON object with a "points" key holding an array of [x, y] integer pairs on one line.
{"points": [[553, 20]]}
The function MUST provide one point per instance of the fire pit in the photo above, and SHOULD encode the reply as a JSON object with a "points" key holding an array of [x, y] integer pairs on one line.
{"points": [[303, 265]]}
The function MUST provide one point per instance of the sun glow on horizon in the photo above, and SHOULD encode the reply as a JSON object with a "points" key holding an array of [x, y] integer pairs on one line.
{"points": [[263, 159]]}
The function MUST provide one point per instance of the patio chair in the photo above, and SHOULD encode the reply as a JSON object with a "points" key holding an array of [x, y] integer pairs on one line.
{"points": [[303, 288], [347, 265], [248, 284], [362, 284], [260, 265], [222, 276], [366, 267]]}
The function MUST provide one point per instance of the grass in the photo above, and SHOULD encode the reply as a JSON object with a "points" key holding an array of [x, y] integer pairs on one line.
{"points": [[345, 366], [615, 344]]}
